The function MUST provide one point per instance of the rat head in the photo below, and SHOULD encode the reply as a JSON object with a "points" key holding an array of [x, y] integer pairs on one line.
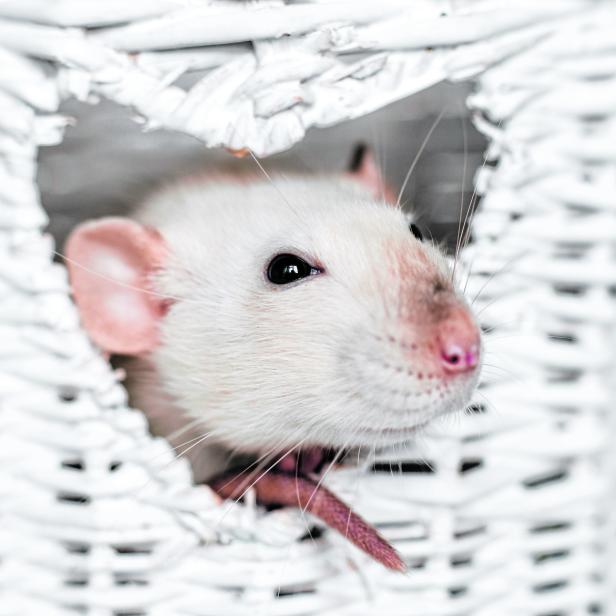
{"points": [[307, 313]]}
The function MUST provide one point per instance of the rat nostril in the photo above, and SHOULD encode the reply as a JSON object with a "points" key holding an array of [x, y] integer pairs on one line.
{"points": [[452, 355], [458, 359]]}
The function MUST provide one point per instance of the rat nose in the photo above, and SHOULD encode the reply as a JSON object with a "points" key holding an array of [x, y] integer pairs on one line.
{"points": [[459, 342]]}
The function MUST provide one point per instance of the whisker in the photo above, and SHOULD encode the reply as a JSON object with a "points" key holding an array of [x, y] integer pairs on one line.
{"points": [[185, 428], [258, 465], [464, 165], [493, 275], [419, 153], [192, 440], [204, 438], [466, 225], [491, 303], [120, 284], [355, 493], [252, 484], [269, 178], [474, 200], [322, 478]]}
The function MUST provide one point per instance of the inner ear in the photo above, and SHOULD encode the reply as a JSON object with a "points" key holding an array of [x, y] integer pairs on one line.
{"points": [[364, 169], [111, 264]]}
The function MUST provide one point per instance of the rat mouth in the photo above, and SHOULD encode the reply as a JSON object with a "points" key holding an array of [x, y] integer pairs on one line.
{"points": [[296, 481]]}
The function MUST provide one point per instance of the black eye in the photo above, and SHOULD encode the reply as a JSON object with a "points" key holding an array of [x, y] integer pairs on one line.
{"points": [[416, 231], [287, 268]]}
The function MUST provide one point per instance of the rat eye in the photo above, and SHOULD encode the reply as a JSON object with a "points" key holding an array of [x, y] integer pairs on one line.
{"points": [[416, 231], [287, 268]]}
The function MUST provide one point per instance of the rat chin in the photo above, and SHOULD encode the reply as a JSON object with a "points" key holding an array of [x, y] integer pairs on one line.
{"points": [[393, 417]]}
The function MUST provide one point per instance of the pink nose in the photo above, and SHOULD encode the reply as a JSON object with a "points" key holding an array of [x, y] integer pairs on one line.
{"points": [[459, 343]]}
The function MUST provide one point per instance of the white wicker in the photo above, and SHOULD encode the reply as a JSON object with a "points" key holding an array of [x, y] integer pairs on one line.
{"points": [[514, 515]]}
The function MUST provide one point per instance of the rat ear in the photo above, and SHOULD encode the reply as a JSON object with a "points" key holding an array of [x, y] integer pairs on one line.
{"points": [[110, 262], [363, 168]]}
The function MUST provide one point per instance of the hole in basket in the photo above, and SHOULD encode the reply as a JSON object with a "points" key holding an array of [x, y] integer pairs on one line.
{"points": [[145, 548], [476, 409], [410, 466], [122, 580], [465, 533], [417, 563], [461, 561], [563, 289], [290, 591], [562, 337], [76, 465], [68, 394], [563, 376], [550, 527], [546, 479], [314, 533], [73, 499], [542, 557], [593, 118], [550, 586], [569, 251], [77, 548], [469, 464], [457, 591], [81, 581], [114, 466], [128, 613], [474, 438]]}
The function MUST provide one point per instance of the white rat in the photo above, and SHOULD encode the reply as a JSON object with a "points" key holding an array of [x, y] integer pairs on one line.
{"points": [[296, 314]]}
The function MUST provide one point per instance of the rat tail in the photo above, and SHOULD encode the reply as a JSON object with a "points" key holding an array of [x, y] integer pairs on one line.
{"points": [[299, 491]]}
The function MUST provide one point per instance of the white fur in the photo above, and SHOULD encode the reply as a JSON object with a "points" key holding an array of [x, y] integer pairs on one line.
{"points": [[322, 360]]}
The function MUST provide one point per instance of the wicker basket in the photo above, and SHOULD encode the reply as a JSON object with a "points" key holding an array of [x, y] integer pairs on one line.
{"points": [[511, 514]]}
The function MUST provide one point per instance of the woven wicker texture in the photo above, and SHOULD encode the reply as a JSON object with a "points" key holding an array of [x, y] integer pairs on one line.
{"points": [[505, 511]]}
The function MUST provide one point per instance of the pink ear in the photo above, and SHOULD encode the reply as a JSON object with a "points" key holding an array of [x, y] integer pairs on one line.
{"points": [[365, 170], [110, 262]]}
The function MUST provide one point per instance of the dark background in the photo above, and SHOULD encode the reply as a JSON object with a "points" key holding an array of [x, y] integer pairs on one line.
{"points": [[107, 162]]}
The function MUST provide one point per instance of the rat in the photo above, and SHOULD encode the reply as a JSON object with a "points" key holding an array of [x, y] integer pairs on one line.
{"points": [[294, 314]]}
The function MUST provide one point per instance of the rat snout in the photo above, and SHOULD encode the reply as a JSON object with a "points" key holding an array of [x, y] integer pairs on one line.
{"points": [[459, 343]]}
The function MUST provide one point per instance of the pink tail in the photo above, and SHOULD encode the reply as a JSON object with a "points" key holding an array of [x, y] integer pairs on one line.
{"points": [[286, 489]]}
